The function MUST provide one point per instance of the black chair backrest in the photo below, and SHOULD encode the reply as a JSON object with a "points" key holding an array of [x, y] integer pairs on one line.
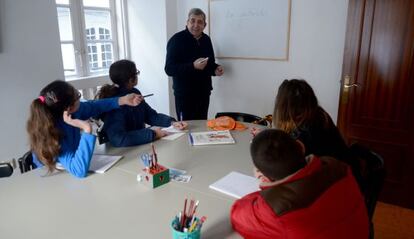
{"points": [[244, 117], [372, 175], [5, 170], [102, 136], [26, 162]]}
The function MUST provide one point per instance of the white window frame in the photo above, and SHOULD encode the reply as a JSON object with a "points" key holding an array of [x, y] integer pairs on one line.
{"points": [[120, 44]]}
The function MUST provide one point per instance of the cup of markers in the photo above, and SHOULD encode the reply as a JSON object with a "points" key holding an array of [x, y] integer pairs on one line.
{"points": [[186, 225]]}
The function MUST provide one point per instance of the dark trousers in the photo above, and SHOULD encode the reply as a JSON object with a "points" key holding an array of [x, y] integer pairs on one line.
{"points": [[193, 107]]}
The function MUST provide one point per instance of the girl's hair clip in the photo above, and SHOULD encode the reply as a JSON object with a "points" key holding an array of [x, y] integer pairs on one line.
{"points": [[51, 97], [42, 99]]}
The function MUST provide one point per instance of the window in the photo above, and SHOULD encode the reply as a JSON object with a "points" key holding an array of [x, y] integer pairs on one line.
{"points": [[88, 36]]}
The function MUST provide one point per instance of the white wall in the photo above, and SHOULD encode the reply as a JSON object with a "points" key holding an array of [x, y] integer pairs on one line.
{"points": [[29, 59], [148, 40], [316, 48]]}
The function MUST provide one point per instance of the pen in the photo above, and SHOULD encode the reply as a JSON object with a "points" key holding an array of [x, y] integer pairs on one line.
{"points": [[190, 138], [154, 155], [193, 224], [195, 208], [183, 214], [147, 95]]}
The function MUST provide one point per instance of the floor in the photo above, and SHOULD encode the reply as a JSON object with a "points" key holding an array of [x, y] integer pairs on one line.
{"points": [[393, 222]]}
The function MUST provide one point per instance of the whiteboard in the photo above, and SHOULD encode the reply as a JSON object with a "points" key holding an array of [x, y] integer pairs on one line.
{"points": [[250, 29]]}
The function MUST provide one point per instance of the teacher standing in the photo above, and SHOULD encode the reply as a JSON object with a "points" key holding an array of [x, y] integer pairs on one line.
{"points": [[191, 63]]}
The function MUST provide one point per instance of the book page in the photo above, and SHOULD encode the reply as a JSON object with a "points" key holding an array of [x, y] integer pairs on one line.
{"points": [[236, 185], [173, 133], [101, 163], [211, 137]]}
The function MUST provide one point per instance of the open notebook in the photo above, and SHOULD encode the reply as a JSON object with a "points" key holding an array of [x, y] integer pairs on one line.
{"points": [[236, 185], [173, 133], [101, 163]]}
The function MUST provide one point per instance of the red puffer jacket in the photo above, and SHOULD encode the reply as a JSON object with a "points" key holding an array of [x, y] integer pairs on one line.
{"points": [[320, 201]]}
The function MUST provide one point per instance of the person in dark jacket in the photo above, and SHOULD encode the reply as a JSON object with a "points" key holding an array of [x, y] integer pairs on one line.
{"points": [[191, 63], [313, 197], [126, 126]]}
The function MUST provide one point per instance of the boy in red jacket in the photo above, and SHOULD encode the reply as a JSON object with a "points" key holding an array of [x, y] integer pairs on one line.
{"points": [[300, 197]]}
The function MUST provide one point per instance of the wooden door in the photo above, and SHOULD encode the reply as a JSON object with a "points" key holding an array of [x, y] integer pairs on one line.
{"points": [[376, 106]]}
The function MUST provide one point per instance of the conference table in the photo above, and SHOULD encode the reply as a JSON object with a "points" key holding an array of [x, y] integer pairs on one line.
{"points": [[115, 204]]}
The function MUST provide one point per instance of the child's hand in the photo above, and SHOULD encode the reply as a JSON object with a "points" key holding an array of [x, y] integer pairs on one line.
{"points": [[255, 131], [159, 133], [130, 99], [180, 125], [81, 124]]}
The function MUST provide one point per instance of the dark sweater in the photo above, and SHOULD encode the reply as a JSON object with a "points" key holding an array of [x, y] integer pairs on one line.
{"points": [[322, 138], [126, 126], [182, 50]]}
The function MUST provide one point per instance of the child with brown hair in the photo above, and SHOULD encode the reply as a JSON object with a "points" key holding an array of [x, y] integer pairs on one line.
{"points": [[127, 125], [56, 120]]}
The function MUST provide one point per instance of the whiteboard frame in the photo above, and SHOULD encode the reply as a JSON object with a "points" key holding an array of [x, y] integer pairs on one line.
{"points": [[286, 58]]}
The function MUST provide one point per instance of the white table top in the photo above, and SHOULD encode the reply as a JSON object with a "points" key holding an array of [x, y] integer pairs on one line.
{"points": [[114, 204]]}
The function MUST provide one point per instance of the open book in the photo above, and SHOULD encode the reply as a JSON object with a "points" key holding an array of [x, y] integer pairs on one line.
{"points": [[211, 137], [101, 163], [236, 185]]}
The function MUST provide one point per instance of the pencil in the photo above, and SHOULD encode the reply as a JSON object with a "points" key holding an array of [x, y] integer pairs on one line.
{"points": [[148, 95]]}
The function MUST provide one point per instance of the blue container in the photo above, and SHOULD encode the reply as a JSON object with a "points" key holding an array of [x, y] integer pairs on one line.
{"points": [[195, 234]]}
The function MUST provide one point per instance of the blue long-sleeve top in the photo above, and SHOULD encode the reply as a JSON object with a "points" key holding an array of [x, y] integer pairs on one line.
{"points": [[76, 148], [126, 126]]}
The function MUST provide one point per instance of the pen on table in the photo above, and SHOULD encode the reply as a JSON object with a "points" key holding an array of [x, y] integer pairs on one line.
{"points": [[147, 95], [190, 138]]}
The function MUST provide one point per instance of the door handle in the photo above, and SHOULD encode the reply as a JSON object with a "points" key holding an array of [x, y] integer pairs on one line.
{"points": [[347, 85], [351, 85], [347, 82]]}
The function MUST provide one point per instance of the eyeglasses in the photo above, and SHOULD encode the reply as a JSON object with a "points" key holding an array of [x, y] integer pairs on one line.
{"points": [[78, 95]]}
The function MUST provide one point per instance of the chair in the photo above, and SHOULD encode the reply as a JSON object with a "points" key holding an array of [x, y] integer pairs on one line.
{"points": [[5, 170], [102, 136], [26, 162], [100, 132], [244, 117], [371, 177]]}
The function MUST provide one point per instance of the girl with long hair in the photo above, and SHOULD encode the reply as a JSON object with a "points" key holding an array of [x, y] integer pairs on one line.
{"points": [[298, 113], [58, 130], [127, 125]]}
